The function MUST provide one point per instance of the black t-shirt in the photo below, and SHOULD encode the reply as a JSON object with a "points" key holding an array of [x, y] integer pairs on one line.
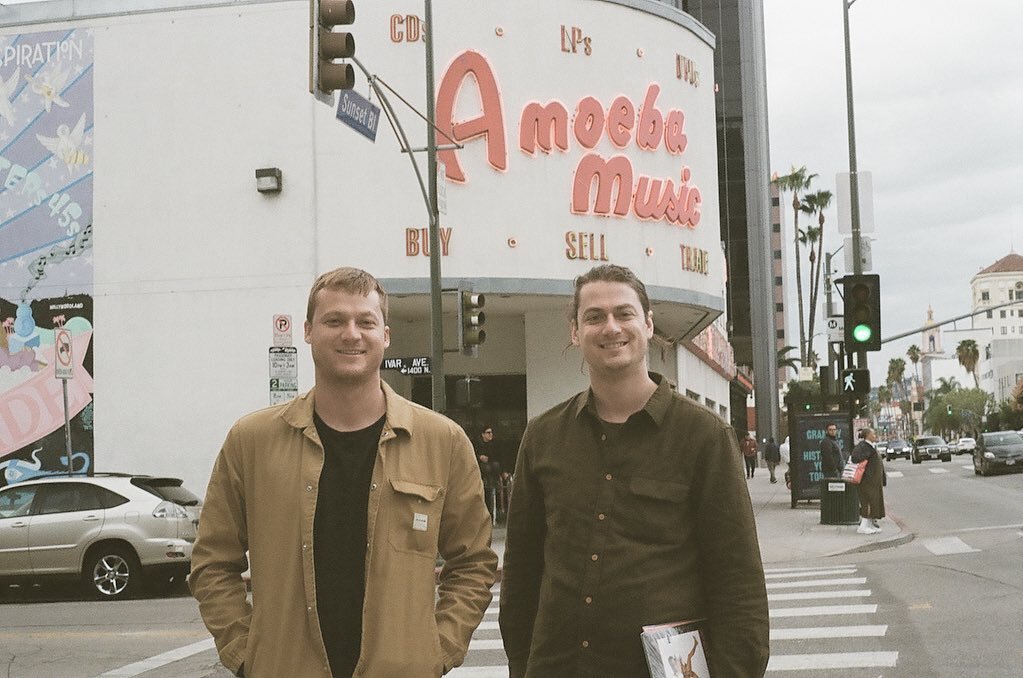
{"points": [[339, 539]]}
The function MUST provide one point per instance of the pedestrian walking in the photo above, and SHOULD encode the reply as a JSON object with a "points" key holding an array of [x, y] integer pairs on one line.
{"points": [[487, 456], [832, 460], [342, 499], [749, 453], [626, 511], [772, 455], [871, 487]]}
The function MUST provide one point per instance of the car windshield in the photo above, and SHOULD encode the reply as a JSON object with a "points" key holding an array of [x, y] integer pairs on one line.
{"points": [[930, 440], [897, 442], [169, 489], [1002, 438]]}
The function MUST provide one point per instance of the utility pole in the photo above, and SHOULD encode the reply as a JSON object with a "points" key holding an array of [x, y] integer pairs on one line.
{"points": [[436, 300], [854, 184]]}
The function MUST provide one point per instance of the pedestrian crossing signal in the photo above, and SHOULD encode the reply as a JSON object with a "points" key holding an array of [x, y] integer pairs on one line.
{"points": [[855, 382]]}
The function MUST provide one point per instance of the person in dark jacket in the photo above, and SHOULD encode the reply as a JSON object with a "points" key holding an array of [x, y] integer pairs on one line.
{"points": [[832, 461], [871, 487], [627, 511], [772, 455]]}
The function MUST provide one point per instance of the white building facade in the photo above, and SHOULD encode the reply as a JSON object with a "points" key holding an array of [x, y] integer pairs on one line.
{"points": [[134, 230]]}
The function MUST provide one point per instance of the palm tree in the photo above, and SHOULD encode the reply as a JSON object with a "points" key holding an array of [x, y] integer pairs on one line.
{"points": [[896, 372], [816, 203], [785, 360], [913, 353], [797, 180], [946, 385], [968, 355]]}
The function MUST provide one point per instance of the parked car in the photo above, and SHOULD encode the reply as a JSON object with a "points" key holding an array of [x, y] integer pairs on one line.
{"points": [[112, 531], [882, 447], [1002, 451], [897, 447], [964, 445], [930, 447]]}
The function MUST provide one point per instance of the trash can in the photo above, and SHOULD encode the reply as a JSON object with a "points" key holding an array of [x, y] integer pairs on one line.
{"points": [[840, 504]]}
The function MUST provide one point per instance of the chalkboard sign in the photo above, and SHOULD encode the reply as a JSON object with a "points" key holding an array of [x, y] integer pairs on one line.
{"points": [[806, 432]]}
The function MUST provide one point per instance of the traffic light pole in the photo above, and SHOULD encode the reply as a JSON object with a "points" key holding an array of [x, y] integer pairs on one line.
{"points": [[854, 183], [436, 303]]}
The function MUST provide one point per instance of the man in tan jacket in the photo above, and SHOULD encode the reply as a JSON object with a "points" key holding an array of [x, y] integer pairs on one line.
{"points": [[343, 498]]}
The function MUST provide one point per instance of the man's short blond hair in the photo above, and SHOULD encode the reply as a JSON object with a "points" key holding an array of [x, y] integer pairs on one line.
{"points": [[350, 280]]}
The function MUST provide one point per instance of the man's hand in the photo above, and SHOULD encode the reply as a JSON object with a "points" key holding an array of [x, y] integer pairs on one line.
{"points": [[484, 458]]}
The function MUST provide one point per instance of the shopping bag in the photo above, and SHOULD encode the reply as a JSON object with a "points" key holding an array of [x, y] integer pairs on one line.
{"points": [[853, 472]]}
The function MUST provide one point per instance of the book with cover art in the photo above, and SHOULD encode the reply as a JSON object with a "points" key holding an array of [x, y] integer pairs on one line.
{"points": [[676, 650]]}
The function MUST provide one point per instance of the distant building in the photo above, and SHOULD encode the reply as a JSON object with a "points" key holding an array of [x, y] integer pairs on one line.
{"points": [[1000, 284]]}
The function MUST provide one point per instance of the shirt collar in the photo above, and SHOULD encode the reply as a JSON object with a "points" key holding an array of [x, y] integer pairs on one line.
{"points": [[656, 407]]}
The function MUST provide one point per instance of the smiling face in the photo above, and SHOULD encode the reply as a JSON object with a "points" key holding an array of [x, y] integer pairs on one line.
{"points": [[611, 329], [347, 337]]}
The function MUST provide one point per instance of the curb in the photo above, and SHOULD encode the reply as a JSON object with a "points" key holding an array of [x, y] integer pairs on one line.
{"points": [[904, 537]]}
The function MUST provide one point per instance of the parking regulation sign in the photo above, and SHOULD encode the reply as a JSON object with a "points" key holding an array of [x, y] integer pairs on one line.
{"points": [[64, 365], [282, 330]]}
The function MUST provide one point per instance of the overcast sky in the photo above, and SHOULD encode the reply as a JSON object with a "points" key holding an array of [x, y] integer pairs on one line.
{"points": [[938, 95]]}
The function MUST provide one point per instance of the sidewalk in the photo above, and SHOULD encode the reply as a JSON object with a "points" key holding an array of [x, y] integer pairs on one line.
{"points": [[792, 534]]}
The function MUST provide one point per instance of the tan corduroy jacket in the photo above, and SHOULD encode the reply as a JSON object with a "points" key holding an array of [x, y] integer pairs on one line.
{"points": [[262, 499]]}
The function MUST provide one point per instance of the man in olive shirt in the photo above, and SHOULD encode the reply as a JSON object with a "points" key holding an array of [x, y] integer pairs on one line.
{"points": [[627, 510]]}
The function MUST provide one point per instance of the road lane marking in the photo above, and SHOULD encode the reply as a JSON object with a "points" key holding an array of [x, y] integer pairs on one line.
{"points": [[159, 660], [944, 546], [835, 660], [938, 470], [1017, 526], [821, 611], [819, 573], [895, 474], [969, 467], [818, 595], [817, 632], [848, 581]]}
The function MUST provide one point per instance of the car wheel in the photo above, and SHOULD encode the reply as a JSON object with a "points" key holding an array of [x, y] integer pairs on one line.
{"points": [[112, 572]]}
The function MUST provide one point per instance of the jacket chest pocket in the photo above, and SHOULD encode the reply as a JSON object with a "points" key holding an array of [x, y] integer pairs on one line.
{"points": [[415, 517], [654, 513]]}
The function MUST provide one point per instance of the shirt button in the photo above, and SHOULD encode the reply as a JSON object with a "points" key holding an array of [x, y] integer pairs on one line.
{"points": [[600, 516], [305, 547], [603, 436], [586, 643], [608, 476], [594, 557], [589, 600], [310, 608], [308, 488], [373, 486]]}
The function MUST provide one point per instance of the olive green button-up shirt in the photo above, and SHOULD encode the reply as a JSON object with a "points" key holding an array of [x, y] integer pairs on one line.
{"points": [[612, 528]]}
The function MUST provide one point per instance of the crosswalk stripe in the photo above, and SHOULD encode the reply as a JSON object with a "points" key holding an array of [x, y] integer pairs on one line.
{"points": [[479, 672], [895, 474], [938, 470], [848, 581], [817, 595], [817, 632], [821, 610], [778, 570], [835, 660], [820, 573], [486, 644], [944, 546], [488, 626], [968, 467]]}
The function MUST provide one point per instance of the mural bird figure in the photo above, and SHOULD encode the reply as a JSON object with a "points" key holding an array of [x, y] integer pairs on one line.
{"points": [[67, 145], [6, 90], [49, 87]]}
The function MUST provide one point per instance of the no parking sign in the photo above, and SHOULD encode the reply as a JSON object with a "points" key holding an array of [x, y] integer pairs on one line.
{"points": [[64, 365]]}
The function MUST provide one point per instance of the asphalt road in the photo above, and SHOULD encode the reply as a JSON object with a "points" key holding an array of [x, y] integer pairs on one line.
{"points": [[946, 604]]}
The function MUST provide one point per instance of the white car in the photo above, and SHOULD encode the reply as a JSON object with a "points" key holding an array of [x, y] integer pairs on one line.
{"points": [[965, 445]]}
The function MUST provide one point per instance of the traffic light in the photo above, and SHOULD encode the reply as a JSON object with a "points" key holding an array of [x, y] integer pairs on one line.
{"points": [[862, 312], [325, 46], [470, 321], [948, 410]]}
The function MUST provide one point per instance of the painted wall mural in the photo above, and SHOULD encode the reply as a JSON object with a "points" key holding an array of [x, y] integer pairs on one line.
{"points": [[46, 264]]}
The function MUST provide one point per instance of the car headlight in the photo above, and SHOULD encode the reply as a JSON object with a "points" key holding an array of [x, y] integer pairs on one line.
{"points": [[989, 455], [168, 509]]}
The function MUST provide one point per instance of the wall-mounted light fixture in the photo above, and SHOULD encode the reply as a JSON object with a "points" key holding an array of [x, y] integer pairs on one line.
{"points": [[268, 180]]}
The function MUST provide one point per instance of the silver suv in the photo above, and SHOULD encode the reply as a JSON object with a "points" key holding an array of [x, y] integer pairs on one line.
{"points": [[111, 530]]}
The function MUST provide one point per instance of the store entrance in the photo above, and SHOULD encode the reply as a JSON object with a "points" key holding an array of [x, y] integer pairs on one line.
{"points": [[495, 400]]}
